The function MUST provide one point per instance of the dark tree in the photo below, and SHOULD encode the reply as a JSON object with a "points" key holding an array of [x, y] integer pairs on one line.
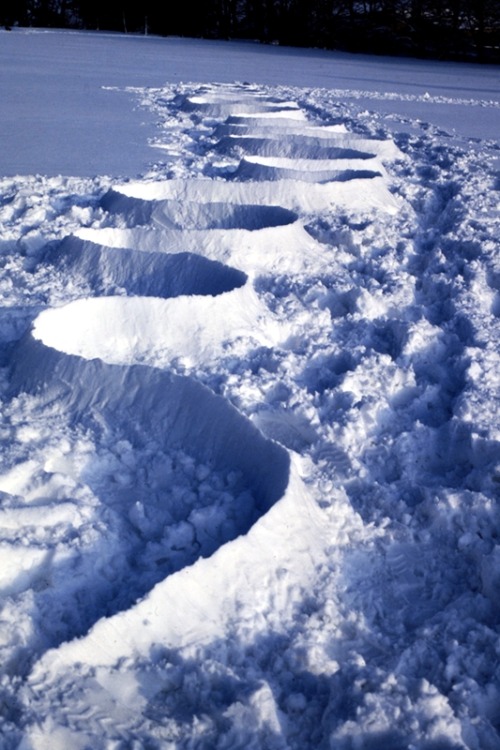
{"points": [[452, 29]]}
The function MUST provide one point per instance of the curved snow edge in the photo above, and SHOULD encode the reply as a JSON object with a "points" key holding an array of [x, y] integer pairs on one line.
{"points": [[175, 409], [198, 603]]}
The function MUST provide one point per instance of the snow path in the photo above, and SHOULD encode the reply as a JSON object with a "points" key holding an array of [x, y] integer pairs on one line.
{"points": [[170, 333], [326, 580], [65, 355]]}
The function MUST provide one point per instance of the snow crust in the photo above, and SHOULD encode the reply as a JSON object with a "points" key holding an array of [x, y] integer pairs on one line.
{"points": [[251, 454]]}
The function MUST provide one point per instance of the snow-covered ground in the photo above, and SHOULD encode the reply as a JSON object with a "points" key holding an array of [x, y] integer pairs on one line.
{"points": [[250, 428]]}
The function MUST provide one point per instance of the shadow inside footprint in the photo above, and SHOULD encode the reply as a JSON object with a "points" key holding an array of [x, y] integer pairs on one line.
{"points": [[110, 271], [177, 472], [194, 214]]}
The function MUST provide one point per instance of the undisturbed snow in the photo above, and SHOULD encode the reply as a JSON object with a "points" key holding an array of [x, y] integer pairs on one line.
{"points": [[251, 450]]}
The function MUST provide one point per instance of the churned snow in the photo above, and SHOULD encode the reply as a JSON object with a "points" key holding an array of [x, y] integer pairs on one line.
{"points": [[249, 381]]}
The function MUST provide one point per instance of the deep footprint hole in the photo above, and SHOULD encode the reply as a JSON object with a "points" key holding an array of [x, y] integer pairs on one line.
{"points": [[110, 271], [388, 337], [189, 215], [327, 372], [177, 471], [294, 147]]}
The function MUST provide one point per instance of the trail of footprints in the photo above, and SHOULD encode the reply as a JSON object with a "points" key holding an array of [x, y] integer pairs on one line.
{"points": [[148, 469]]}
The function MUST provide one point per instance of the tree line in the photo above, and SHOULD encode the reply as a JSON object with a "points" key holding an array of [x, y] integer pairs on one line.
{"points": [[446, 29]]}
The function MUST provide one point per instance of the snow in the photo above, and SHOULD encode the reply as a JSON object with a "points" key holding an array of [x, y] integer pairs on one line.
{"points": [[249, 384], [48, 77]]}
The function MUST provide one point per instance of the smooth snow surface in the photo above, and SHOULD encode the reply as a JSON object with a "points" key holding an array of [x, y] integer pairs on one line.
{"points": [[48, 77], [250, 444]]}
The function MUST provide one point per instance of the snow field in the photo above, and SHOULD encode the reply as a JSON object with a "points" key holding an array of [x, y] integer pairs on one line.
{"points": [[346, 595]]}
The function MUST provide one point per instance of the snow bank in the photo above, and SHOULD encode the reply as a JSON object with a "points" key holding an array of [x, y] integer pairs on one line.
{"points": [[306, 143], [359, 194], [308, 170], [289, 249]]}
